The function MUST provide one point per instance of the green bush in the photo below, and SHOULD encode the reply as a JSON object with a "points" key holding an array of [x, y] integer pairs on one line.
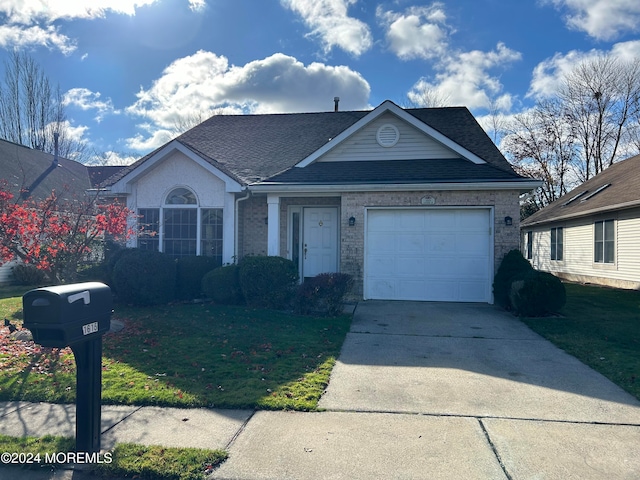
{"points": [[112, 256], [267, 281], [144, 278], [323, 293], [512, 265], [189, 273], [535, 294], [222, 285], [28, 275]]}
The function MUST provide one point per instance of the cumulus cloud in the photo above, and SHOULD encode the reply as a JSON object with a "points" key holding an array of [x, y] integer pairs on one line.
{"points": [[601, 19], [329, 21], [548, 75], [85, 99], [17, 36], [204, 83], [465, 78], [26, 23], [419, 32], [111, 157]]}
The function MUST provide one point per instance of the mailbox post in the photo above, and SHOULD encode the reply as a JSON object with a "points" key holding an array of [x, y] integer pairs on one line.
{"points": [[75, 316]]}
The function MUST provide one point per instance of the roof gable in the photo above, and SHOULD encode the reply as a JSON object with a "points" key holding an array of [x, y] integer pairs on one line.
{"points": [[442, 144], [250, 149], [615, 188]]}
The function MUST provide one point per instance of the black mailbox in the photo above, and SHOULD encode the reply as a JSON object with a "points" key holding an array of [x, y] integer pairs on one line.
{"points": [[66, 314]]}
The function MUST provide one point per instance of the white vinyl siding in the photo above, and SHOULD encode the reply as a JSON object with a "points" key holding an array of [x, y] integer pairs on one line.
{"points": [[578, 252], [413, 144]]}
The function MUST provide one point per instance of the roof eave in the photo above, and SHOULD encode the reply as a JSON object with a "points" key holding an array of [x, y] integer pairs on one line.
{"points": [[585, 213], [273, 187]]}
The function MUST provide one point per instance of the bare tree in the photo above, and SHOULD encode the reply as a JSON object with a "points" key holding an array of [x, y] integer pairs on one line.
{"points": [[541, 144], [600, 99], [31, 109], [425, 96]]}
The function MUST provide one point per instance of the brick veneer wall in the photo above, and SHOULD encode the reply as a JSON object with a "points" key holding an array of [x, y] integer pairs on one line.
{"points": [[505, 204], [253, 231]]}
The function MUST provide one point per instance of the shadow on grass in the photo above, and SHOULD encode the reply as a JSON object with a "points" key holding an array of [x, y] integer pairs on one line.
{"points": [[216, 356]]}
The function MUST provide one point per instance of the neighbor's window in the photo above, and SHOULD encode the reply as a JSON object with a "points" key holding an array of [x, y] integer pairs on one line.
{"points": [[604, 242], [529, 245], [180, 231], [556, 243]]}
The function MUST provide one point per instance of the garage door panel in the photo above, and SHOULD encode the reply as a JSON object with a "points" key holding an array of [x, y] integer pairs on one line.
{"points": [[429, 254], [410, 243], [410, 266]]}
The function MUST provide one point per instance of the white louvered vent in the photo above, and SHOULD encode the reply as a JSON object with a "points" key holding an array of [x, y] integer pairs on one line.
{"points": [[388, 135]]}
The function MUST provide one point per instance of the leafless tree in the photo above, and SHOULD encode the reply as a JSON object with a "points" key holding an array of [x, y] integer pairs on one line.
{"points": [[600, 98], [541, 144], [425, 96], [31, 109]]}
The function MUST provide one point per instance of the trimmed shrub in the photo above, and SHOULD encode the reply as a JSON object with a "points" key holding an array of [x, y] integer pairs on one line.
{"points": [[112, 256], [190, 271], [512, 265], [324, 293], [222, 285], [144, 278], [267, 281], [28, 275], [535, 294]]}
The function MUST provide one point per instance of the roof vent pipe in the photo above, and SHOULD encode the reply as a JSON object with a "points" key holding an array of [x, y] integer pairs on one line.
{"points": [[55, 148], [336, 101]]}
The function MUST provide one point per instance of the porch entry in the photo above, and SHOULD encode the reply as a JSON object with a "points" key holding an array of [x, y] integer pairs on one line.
{"points": [[319, 242]]}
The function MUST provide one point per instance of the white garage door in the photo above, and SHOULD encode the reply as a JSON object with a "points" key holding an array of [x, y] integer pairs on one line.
{"points": [[429, 254]]}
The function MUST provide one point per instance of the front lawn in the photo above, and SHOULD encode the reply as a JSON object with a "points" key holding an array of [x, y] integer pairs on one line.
{"points": [[601, 327], [186, 355]]}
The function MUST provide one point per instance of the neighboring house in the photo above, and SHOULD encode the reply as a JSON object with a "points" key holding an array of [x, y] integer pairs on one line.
{"points": [[591, 234], [416, 204], [34, 174]]}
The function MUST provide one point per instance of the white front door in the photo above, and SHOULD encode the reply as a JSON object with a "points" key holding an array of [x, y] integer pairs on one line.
{"points": [[319, 241]]}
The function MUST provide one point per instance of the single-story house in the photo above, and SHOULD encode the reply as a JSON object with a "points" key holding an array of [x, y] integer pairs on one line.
{"points": [[415, 204], [591, 234], [34, 174]]}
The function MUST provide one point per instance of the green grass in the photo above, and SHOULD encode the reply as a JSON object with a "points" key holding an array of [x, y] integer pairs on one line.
{"points": [[601, 327], [125, 460], [187, 355]]}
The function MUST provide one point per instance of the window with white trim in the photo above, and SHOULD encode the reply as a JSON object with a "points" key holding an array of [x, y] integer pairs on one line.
{"points": [[529, 245], [557, 234], [181, 228], [604, 244]]}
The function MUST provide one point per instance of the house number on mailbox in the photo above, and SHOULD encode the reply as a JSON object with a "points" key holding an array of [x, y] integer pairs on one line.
{"points": [[90, 328]]}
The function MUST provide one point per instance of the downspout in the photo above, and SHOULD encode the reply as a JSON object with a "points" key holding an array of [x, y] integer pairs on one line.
{"points": [[237, 224]]}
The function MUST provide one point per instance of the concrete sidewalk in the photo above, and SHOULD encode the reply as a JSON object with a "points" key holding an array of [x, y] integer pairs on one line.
{"points": [[420, 391]]}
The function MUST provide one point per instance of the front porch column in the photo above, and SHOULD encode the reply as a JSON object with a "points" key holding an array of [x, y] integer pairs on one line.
{"points": [[273, 229]]}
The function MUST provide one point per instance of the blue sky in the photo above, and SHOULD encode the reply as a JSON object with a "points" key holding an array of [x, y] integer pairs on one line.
{"points": [[133, 70]]}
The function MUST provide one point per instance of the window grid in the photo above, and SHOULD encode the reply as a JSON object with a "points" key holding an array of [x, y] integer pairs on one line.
{"points": [[149, 235], [180, 231], [604, 242], [211, 233], [557, 243]]}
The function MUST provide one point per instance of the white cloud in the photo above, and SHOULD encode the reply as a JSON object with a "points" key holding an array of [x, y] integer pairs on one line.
{"points": [[602, 19], [548, 75], [27, 23], [48, 36], [419, 32], [205, 83], [112, 158], [464, 78], [328, 20], [85, 99]]}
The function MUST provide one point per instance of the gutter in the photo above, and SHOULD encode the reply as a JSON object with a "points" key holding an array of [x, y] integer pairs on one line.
{"points": [[237, 225], [524, 186]]}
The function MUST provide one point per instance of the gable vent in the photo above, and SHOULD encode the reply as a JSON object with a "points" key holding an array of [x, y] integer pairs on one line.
{"points": [[388, 135]]}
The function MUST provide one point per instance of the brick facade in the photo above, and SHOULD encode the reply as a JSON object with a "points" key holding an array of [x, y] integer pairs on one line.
{"points": [[253, 231]]}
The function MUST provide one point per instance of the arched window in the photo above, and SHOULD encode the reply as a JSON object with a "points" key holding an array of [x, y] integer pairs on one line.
{"points": [[181, 228]]}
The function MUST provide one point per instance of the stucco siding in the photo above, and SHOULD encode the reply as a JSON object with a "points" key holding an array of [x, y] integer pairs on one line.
{"points": [[412, 144], [170, 173]]}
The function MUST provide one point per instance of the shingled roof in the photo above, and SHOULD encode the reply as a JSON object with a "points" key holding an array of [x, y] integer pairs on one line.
{"points": [[34, 174], [616, 188], [258, 148]]}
